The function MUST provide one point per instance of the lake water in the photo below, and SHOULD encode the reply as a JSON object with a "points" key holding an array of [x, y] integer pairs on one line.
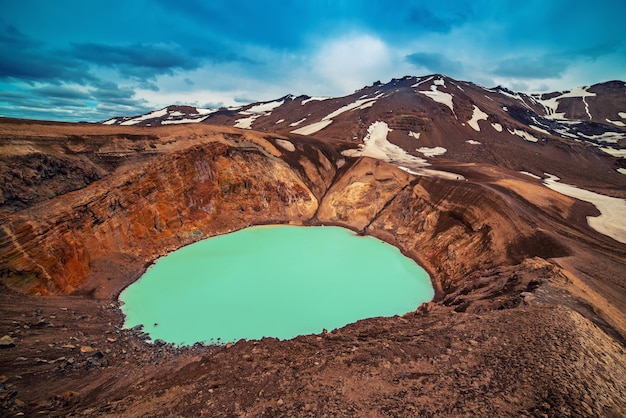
{"points": [[273, 281]]}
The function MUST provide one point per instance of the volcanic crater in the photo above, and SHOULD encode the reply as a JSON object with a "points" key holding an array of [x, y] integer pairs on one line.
{"points": [[528, 316]]}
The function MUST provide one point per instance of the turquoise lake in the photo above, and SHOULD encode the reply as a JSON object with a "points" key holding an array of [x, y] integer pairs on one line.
{"points": [[273, 281]]}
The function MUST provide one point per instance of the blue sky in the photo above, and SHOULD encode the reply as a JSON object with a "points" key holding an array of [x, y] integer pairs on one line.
{"points": [[93, 59]]}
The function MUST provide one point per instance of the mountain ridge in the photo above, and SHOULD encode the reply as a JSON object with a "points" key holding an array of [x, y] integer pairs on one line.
{"points": [[591, 114]]}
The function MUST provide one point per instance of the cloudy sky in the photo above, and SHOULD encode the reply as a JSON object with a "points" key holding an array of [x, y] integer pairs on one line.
{"points": [[94, 59]]}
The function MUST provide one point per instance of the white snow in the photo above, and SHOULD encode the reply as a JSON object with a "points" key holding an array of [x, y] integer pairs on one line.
{"points": [[531, 175], [459, 87], [431, 152], [621, 170], [176, 113], [151, 115], [255, 112], [551, 105], [616, 122], [607, 137], [565, 133], [497, 127], [477, 115], [538, 129], [614, 152], [246, 123], [328, 119], [205, 111], [621, 115], [415, 135], [439, 82], [523, 134], [310, 99], [358, 104], [439, 96], [472, 142], [313, 128], [262, 108], [280, 121], [376, 145], [110, 122], [184, 120], [515, 96], [286, 144], [422, 81], [298, 122], [611, 221]]}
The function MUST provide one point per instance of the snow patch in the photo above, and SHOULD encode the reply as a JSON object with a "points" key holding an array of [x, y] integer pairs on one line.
{"points": [[358, 104], [255, 112], [477, 115], [515, 96], [531, 175], [422, 81], [621, 115], [497, 127], [328, 119], [205, 111], [472, 142], [611, 221], [538, 129], [439, 96], [614, 152], [298, 122], [523, 134], [262, 108], [621, 170], [184, 120], [311, 99], [376, 145], [607, 137], [563, 132], [110, 122], [458, 87], [313, 128], [246, 123], [415, 135], [439, 82], [431, 152], [151, 115], [551, 105], [176, 113], [616, 122], [280, 121]]}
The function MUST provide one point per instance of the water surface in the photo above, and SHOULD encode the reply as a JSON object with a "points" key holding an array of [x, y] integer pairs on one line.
{"points": [[273, 281]]}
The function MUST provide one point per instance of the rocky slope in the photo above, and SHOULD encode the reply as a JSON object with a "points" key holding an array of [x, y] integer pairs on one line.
{"points": [[529, 307]]}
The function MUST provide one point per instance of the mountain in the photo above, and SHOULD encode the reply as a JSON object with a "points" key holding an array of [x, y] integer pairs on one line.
{"points": [[510, 201], [439, 118]]}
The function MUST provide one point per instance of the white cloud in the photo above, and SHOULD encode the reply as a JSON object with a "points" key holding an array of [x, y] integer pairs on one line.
{"points": [[352, 62]]}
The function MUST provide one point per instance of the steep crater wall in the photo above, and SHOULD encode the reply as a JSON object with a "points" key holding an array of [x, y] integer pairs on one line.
{"points": [[100, 238], [133, 218]]}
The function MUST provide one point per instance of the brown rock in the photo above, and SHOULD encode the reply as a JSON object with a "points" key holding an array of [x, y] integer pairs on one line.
{"points": [[7, 342]]}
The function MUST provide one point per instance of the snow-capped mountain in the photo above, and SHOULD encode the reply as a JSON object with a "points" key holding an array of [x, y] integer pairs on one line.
{"points": [[438, 117], [168, 116]]}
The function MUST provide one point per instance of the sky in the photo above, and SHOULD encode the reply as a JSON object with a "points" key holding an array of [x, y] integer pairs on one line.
{"points": [[91, 60]]}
